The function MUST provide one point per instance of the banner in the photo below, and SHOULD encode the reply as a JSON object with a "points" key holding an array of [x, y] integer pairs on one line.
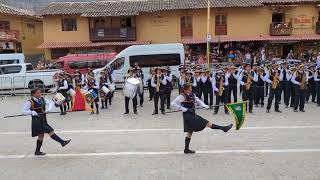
{"points": [[239, 113]]}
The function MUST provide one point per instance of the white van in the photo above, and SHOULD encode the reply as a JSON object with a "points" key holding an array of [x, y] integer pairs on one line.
{"points": [[13, 58], [153, 55]]}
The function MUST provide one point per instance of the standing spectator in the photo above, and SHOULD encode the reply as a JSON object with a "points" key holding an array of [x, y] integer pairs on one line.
{"points": [[290, 55], [263, 57], [318, 60], [247, 58]]}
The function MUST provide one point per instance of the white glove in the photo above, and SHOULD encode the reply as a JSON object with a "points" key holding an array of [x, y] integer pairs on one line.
{"points": [[47, 111], [206, 107], [183, 109], [33, 113]]}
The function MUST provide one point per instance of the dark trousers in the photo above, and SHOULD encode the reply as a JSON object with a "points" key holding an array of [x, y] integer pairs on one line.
{"points": [[157, 96], [299, 99], [141, 98], [292, 93], [318, 92], [311, 91], [274, 93], [285, 89], [220, 99], [267, 89], [151, 92], [167, 97], [259, 98], [247, 95], [208, 95], [233, 89], [134, 101]]}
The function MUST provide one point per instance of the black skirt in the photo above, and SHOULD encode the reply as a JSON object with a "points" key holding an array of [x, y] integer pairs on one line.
{"points": [[193, 122], [39, 125]]}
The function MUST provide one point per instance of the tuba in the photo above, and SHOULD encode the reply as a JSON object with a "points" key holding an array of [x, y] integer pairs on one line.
{"points": [[221, 88], [275, 81], [249, 81]]}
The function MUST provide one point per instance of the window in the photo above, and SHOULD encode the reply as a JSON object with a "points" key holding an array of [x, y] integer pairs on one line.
{"points": [[69, 24], [11, 61], [87, 64], [155, 60], [57, 53], [117, 64], [31, 28], [11, 69], [29, 67], [5, 25], [186, 26], [277, 17], [221, 24]]}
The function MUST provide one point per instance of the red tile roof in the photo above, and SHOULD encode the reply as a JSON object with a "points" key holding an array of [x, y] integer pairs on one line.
{"points": [[57, 45], [9, 10], [254, 38]]}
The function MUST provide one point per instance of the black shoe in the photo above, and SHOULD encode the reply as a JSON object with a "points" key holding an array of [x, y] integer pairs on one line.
{"points": [[150, 99], [256, 105], [126, 113], [102, 107], [136, 112], [92, 112], [295, 110], [227, 113], [141, 105], [188, 151], [66, 143], [163, 113], [227, 128], [268, 111], [215, 113], [287, 106], [39, 153], [61, 113], [168, 108], [291, 105], [97, 112], [302, 110], [154, 113], [278, 111], [262, 105], [211, 107]]}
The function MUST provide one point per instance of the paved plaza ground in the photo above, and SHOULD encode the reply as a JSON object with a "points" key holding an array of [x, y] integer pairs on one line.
{"points": [[145, 147]]}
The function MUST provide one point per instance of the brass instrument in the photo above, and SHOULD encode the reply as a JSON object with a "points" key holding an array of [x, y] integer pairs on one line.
{"points": [[249, 81], [221, 88], [158, 84], [303, 82], [275, 81]]}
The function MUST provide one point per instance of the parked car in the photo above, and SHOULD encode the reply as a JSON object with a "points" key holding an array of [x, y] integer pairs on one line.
{"points": [[23, 76], [12, 58], [145, 56], [71, 63]]}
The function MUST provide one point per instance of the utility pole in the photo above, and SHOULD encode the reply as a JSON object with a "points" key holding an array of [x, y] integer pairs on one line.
{"points": [[208, 33]]}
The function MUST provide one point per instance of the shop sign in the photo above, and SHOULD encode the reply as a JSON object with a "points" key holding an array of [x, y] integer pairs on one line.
{"points": [[302, 22], [6, 46]]}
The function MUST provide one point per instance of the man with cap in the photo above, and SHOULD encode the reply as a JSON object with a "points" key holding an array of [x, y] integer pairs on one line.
{"points": [[233, 84], [317, 80], [285, 83], [93, 85], [274, 78], [159, 82], [219, 84], [207, 89], [130, 74], [299, 79], [311, 87], [259, 91], [190, 80], [181, 77], [246, 78], [169, 87], [63, 88]]}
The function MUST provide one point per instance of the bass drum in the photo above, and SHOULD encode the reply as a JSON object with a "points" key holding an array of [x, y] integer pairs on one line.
{"points": [[58, 99], [130, 88]]}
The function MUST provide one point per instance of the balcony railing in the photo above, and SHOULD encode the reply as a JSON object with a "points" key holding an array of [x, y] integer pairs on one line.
{"points": [[6, 34], [280, 29], [186, 32], [318, 27], [113, 34]]}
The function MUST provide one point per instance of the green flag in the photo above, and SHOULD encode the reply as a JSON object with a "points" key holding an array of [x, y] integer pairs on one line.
{"points": [[239, 113]]}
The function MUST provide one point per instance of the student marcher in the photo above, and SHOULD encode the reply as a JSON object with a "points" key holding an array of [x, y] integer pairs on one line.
{"points": [[37, 107], [193, 123]]}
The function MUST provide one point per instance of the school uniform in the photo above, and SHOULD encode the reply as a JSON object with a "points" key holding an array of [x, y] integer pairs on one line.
{"points": [[207, 89], [233, 87], [259, 98], [223, 98], [317, 81], [140, 92], [150, 88], [127, 99], [285, 85], [311, 88], [247, 94], [168, 89], [159, 92], [274, 92], [300, 94]]}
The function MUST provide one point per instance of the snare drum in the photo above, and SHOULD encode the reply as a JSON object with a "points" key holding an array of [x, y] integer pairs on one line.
{"points": [[91, 96], [58, 99], [105, 90], [71, 92]]}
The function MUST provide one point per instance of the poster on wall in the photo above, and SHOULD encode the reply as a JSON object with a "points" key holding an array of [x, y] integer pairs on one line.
{"points": [[6, 46], [303, 22]]}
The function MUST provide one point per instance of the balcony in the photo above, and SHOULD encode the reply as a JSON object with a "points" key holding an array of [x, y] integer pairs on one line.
{"points": [[280, 29], [318, 27], [113, 34], [9, 35]]}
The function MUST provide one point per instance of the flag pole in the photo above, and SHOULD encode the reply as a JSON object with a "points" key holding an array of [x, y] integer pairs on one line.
{"points": [[208, 33]]}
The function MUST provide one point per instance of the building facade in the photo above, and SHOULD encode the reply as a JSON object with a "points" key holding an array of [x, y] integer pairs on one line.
{"points": [[20, 32], [111, 26]]}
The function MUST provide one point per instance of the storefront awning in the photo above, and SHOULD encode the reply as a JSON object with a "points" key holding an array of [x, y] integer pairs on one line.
{"points": [[253, 38], [57, 45]]}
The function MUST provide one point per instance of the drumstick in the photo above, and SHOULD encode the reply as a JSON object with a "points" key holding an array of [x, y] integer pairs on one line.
{"points": [[20, 115]]}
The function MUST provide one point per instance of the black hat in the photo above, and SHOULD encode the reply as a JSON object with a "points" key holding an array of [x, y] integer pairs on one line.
{"points": [[130, 69], [247, 64]]}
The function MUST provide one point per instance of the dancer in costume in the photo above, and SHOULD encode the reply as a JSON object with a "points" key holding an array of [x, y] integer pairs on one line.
{"points": [[192, 122]]}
